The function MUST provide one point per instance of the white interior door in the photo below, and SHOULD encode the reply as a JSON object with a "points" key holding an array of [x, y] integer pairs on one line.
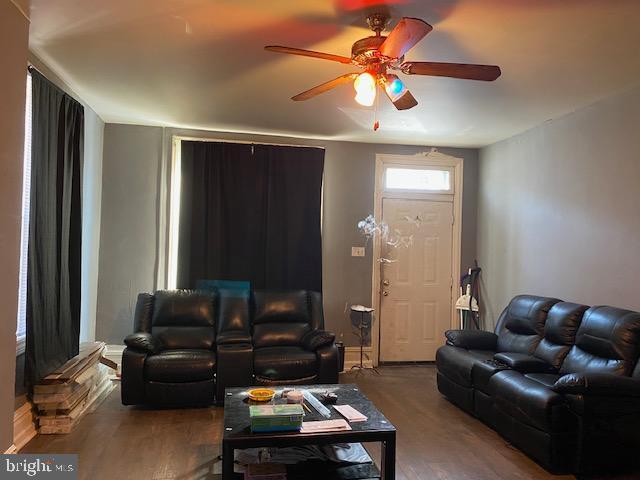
{"points": [[416, 288]]}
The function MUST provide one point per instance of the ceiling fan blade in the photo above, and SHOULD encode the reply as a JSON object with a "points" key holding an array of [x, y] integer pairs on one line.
{"points": [[405, 102], [308, 53], [325, 87], [404, 36], [487, 73], [397, 92]]}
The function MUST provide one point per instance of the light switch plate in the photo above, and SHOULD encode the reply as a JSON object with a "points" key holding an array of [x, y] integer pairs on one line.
{"points": [[357, 251]]}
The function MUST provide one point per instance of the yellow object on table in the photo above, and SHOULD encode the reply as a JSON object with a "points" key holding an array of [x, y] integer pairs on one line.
{"points": [[261, 394]]}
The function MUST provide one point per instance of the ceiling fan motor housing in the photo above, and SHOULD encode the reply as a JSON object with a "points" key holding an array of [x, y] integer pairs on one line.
{"points": [[365, 51]]}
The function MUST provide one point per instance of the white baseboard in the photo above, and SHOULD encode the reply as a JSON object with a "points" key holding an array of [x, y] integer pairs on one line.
{"points": [[24, 425], [352, 357], [114, 353], [12, 450]]}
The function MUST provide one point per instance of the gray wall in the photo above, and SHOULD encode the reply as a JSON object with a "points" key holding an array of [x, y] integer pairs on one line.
{"points": [[559, 209], [14, 38], [91, 208], [129, 225], [133, 156]]}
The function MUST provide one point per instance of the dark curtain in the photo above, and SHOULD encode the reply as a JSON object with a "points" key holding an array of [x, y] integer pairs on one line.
{"points": [[53, 276], [251, 212]]}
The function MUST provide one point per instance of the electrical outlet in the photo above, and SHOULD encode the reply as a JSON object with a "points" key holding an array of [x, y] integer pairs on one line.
{"points": [[357, 251]]}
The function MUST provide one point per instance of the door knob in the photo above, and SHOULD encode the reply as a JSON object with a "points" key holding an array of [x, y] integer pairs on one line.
{"points": [[385, 293], [386, 283]]}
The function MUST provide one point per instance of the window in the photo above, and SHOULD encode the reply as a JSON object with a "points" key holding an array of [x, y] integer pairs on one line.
{"points": [[418, 179], [21, 328], [290, 177]]}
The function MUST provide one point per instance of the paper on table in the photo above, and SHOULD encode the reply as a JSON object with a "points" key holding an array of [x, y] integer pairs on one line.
{"points": [[350, 413], [325, 426]]}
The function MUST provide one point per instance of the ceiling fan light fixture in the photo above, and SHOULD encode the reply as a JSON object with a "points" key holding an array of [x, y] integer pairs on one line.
{"points": [[394, 87], [365, 87]]}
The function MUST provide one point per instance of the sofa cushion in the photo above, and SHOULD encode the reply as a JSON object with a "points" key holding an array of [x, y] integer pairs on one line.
{"points": [[457, 363], [279, 334], [282, 363], [180, 366], [560, 331], [184, 319], [521, 325], [530, 402], [286, 306], [608, 341], [184, 308], [546, 379], [185, 338], [233, 317]]}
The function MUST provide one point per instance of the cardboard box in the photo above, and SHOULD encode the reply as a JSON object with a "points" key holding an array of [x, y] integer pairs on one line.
{"points": [[265, 471]]}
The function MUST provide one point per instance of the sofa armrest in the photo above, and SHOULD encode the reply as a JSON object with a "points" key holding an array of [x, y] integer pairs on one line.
{"points": [[143, 342], [234, 367], [316, 339], [472, 339], [523, 362], [328, 368], [132, 377], [143, 312], [597, 384]]}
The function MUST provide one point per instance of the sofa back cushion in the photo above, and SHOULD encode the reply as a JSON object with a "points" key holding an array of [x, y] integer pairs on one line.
{"points": [[233, 316], [560, 331], [607, 341], [521, 325], [184, 319], [280, 318], [281, 306]]}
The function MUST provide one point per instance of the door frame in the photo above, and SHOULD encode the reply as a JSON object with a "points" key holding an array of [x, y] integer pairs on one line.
{"points": [[426, 159]]}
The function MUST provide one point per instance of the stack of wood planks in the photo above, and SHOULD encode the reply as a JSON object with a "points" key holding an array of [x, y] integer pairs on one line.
{"points": [[24, 424], [73, 390]]}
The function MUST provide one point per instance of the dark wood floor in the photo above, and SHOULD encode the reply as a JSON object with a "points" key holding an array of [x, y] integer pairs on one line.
{"points": [[436, 440]]}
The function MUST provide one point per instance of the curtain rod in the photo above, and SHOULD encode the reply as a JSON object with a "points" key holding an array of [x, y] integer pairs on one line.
{"points": [[221, 140], [59, 83]]}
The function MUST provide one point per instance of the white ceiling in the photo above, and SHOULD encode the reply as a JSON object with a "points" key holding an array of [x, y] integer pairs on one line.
{"points": [[200, 63]]}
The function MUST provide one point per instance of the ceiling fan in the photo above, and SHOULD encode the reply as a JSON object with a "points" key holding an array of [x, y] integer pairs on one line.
{"points": [[378, 55]]}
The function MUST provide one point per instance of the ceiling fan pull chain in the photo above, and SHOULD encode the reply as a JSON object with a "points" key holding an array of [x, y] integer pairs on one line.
{"points": [[376, 123]]}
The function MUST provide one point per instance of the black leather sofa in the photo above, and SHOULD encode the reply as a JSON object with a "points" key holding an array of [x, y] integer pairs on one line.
{"points": [[290, 345], [188, 346], [559, 380]]}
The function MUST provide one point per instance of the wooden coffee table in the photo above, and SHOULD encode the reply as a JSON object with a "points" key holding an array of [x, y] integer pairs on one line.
{"points": [[238, 436]]}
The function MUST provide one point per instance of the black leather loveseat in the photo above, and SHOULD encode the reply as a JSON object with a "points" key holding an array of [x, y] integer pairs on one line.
{"points": [[188, 346], [559, 380]]}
